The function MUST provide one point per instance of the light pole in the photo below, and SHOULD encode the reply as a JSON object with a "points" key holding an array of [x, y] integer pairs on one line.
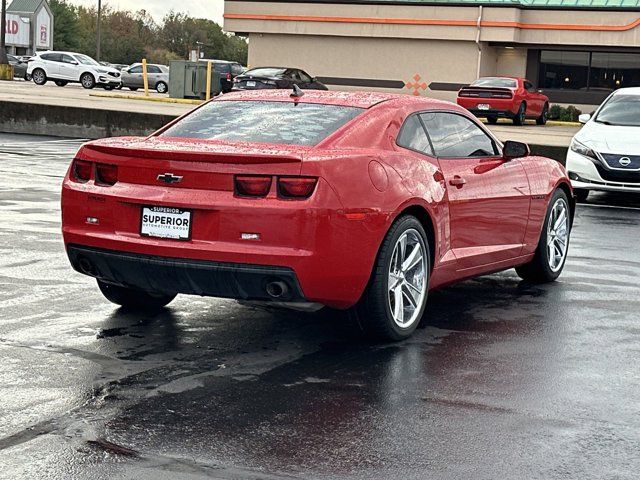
{"points": [[99, 29], [3, 32]]}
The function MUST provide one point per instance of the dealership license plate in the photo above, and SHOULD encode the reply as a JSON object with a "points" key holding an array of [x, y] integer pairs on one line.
{"points": [[484, 106], [166, 222], [251, 84]]}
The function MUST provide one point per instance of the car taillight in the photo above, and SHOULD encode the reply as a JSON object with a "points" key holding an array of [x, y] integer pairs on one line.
{"points": [[228, 76], [253, 185], [296, 187], [106, 174], [81, 170]]}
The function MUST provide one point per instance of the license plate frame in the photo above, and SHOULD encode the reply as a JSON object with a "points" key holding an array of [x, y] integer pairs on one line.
{"points": [[484, 106], [166, 232]]}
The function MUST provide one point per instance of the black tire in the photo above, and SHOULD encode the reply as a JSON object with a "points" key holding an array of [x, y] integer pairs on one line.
{"points": [[133, 89], [542, 119], [39, 76], [162, 87], [539, 269], [119, 87], [88, 81], [521, 116], [492, 120], [61, 83], [108, 87], [374, 309], [134, 299], [581, 194]]}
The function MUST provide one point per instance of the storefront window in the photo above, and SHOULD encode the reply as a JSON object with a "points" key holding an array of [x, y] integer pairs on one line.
{"points": [[593, 71], [614, 70], [565, 70]]}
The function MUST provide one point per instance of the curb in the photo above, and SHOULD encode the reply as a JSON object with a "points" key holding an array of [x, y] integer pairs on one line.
{"points": [[147, 99]]}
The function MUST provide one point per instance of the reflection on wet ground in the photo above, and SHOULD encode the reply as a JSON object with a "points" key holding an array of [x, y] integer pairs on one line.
{"points": [[503, 380]]}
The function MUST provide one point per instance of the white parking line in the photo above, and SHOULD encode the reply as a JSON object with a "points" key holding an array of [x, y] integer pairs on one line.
{"points": [[606, 206]]}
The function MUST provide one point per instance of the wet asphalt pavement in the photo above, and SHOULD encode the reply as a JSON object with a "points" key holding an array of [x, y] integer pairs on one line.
{"points": [[504, 380]]}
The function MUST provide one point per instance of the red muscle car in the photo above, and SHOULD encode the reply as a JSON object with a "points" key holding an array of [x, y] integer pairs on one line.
{"points": [[361, 201], [504, 97]]}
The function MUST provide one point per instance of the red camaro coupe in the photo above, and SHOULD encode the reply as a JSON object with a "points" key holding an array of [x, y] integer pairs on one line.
{"points": [[505, 97], [347, 200]]}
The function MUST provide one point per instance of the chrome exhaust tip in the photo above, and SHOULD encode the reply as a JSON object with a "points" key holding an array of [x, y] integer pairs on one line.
{"points": [[277, 289]]}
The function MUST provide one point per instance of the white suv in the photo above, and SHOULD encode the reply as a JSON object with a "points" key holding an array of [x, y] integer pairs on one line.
{"points": [[65, 67]]}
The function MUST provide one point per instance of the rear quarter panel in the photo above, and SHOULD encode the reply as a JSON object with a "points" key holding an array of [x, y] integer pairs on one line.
{"points": [[545, 176]]}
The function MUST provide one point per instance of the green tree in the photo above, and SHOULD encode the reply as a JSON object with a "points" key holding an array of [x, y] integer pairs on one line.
{"points": [[65, 27]]}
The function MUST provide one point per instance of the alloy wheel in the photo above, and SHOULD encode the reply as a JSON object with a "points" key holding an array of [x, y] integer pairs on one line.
{"points": [[38, 77], [407, 278], [558, 235]]}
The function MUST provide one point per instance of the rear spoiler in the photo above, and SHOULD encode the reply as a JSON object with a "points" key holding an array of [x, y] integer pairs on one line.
{"points": [[241, 155]]}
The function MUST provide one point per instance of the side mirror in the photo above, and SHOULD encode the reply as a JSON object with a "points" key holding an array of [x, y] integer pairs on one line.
{"points": [[584, 118], [513, 150]]}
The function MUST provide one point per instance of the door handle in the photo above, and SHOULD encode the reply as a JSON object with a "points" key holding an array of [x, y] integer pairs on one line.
{"points": [[457, 181]]}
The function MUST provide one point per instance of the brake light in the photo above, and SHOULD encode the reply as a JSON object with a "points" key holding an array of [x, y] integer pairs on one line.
{"points": [[228, 76], [106, 174], [81, 170], [296, 187], [252, 185]]}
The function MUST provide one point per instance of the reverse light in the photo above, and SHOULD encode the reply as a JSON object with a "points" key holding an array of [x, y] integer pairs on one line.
{"points": [[252, 185], [81, 170], [296, 187], [583, 150], [106, 174]]}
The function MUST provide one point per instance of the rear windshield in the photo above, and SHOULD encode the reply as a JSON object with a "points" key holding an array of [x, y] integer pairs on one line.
{"points": [[495, 82], [622, 110], [266, 72], [264, 122]]}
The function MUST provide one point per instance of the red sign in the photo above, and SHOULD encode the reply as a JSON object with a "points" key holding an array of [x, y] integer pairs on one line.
{"points": [[12, 27]]}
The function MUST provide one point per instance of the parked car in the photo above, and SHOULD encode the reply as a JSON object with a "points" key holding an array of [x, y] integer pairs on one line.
{"points": [[505, 97], [19, 67], [158, 77], [298, 199], [605, 154], [228, 72], [276, 77], [70, 67]]}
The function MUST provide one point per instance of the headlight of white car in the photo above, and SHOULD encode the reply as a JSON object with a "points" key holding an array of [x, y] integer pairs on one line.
{"points": [[583, 150]]}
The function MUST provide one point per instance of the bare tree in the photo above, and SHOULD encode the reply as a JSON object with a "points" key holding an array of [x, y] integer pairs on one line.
{"points": [[3, 32]]}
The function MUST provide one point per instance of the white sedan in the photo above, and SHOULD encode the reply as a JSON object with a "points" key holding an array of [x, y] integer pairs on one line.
{"points": [[605, 153]]}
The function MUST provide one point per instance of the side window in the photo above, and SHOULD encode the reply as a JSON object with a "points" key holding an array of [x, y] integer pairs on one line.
{"points": [[68, 59], [52, 57], [304, 77], [236, 69], [137, 69], [413, 136], [153, 69], [528, 86], [457, 136]]}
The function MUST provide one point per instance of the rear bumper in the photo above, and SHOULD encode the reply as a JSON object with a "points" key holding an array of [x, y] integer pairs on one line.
{"points": [[179, 275], [497, 107]]}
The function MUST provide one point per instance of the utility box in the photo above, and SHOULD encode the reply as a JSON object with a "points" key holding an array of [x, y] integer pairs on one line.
{"points": [[189, 80]]}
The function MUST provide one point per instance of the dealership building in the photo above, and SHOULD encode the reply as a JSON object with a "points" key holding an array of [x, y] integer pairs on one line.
{"points": [[575, 51], [29, 27]]}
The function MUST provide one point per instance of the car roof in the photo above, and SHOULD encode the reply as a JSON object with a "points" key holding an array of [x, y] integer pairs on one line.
{"points": [[628, 91], [346, 99]]}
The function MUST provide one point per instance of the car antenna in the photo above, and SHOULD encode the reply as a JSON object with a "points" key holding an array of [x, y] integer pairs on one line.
{"points": [[297, 92]]}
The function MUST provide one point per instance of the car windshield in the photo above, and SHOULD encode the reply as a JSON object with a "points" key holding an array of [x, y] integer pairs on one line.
{"points": [[622, 110], [264, 122], [495, 82], [266, 72], [84, 60]]}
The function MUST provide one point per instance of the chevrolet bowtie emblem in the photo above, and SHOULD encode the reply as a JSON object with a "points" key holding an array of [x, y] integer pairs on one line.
{"points": [[169, 178]]}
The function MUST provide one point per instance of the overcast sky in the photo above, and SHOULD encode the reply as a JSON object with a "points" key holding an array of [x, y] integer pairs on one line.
{"points": [[212, 9]]}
